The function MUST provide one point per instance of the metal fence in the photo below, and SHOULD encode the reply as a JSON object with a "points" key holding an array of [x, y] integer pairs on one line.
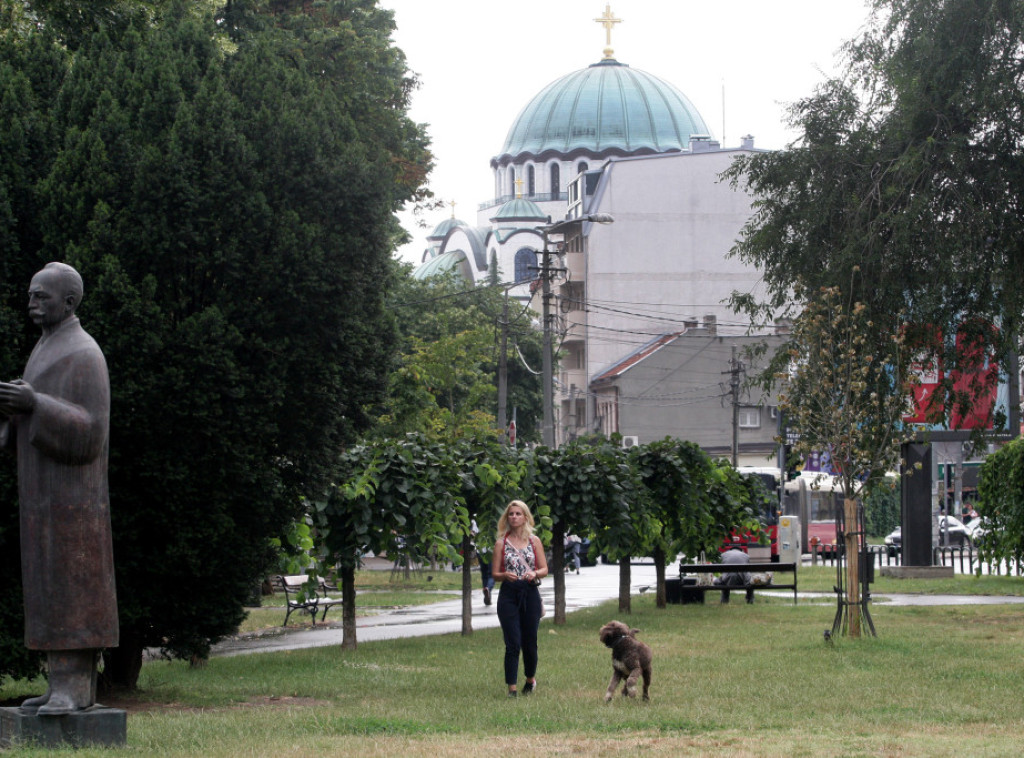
{"points": [[964, 560]]}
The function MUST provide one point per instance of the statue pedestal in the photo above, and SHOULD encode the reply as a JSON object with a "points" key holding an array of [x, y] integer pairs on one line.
{"points": [[95, 726]]}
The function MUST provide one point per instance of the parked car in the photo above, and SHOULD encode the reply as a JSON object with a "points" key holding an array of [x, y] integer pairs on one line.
{"points": [[959, 535], [894, 540], [976, 529]]}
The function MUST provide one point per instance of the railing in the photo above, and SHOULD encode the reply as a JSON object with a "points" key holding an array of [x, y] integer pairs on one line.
{"points": [[964, 560]]}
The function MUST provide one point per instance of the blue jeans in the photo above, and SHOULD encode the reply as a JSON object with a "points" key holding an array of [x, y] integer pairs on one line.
{"points": [[519, 611], [485, 572]]}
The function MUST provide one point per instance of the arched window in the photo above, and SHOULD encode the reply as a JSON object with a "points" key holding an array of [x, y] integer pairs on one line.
{"points": [[555, 182], [512, 181], [582, 167], [531, 182], [526, 264]]}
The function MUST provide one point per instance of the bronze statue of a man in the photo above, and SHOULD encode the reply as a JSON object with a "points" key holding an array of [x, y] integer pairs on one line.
{"points": [[57, 418]]}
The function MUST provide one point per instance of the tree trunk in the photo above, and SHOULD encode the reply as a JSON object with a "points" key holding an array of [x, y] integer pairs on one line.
{"points": [[625, 601], [557, 570], [852, 546], [348, 608], [122, 664], [468, 555], [659, 574]]}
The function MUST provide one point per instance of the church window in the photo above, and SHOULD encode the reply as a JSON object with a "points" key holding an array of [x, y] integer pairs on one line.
{"points": [[526, 264], [512, 181], [531, 182], [582, 167], [555, 182]]}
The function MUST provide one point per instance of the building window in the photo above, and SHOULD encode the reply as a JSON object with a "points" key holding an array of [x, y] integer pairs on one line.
{"points": [[750, 418], [526, 264], [555, 182], [582, 167], [512, 180]]}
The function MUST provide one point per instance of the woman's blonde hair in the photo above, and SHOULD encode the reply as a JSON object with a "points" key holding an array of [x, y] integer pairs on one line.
{"points": [[503, 521]]}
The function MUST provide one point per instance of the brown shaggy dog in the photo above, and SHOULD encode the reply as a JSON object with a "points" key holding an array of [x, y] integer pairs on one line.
{"points": [[630, 659]]}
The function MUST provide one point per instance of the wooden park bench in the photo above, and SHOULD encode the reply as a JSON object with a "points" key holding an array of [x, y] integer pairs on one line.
{"points": [[299, 598], [738, 568]]}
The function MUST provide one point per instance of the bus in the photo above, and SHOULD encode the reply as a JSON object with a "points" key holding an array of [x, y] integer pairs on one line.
{"points": [[815, 499]]}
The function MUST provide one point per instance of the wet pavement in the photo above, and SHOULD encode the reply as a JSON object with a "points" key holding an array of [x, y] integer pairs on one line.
{"points": [[592, 586]]}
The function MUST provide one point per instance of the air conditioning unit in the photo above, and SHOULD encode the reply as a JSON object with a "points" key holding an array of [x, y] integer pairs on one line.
{"points": [[628, 442]]}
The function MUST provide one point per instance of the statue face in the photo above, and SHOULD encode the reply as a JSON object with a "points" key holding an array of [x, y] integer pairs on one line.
{"points": [[48, 303]]}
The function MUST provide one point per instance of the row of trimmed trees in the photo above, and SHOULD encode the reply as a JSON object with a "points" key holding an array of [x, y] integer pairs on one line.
{"points": [[660, 499]]}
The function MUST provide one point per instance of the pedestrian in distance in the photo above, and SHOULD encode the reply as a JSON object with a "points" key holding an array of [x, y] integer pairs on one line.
{"points": [[572, 553], [519, 564], [485, 558]]}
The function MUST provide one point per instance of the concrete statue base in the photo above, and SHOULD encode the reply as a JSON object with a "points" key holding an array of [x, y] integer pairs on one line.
{"points": [[95, 726]]}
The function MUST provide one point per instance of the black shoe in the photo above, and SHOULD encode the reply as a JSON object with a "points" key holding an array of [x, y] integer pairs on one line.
{"points": [[529, 687], [487, 596], [513, 693]]}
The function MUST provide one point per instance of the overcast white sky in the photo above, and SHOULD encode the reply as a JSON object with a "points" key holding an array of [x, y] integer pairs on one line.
{"points": [[480, 61]]}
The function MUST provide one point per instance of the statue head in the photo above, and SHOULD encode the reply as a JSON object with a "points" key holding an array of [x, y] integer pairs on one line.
{"points": [[54, 294]]}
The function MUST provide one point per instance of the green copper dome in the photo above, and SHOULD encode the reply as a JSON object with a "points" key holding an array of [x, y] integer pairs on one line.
{"points": [[454, 261], [444, 227], [520, 209], [605, 109]]}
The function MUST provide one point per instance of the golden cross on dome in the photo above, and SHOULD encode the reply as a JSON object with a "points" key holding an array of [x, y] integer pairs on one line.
{"points": [[452, 204], [608, 20], [519, 187]]}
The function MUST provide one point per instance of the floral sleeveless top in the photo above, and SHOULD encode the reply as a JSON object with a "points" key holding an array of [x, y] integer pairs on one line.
{"points": [[517, 561]]}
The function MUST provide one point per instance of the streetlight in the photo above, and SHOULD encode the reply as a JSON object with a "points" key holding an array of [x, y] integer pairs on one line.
{"points": [[548, 431]]}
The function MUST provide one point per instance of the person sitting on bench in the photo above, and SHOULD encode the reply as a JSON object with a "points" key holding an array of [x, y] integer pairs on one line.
{"points": [[738, 579]]}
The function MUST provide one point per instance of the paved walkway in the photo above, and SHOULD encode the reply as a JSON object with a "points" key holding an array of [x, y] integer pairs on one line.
{"points": [[592, 586]]}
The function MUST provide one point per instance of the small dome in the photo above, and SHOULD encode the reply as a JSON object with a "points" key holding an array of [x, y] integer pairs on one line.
{"points": [[444, 227], [606, 109], [520, 209], [454, 261]]}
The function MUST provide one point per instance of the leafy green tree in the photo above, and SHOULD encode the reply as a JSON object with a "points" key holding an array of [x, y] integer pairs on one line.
{"points": [[908, 169], [676, 476], [394, 496], [445, 380], [849, 397], [491, 475], [882, 509], [231, 209], [1001, 504], [589, 488]]}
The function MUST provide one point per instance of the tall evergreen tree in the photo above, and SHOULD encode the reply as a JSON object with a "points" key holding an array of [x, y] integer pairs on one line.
{"points": [[231, 208]]}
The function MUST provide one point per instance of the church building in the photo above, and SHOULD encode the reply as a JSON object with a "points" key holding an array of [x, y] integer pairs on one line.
{"points": [[614, 143]]}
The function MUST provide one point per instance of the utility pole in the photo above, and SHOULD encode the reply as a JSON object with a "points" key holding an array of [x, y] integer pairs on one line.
{"points": [[503, 372], [547, 362], [546, 272], [735, 367]]}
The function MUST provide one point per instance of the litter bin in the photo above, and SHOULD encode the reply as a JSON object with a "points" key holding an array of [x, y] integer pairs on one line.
{"points": [[679, 591]]}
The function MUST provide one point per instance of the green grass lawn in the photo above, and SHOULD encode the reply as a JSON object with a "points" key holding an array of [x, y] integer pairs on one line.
{"points": [[736, 680]]}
